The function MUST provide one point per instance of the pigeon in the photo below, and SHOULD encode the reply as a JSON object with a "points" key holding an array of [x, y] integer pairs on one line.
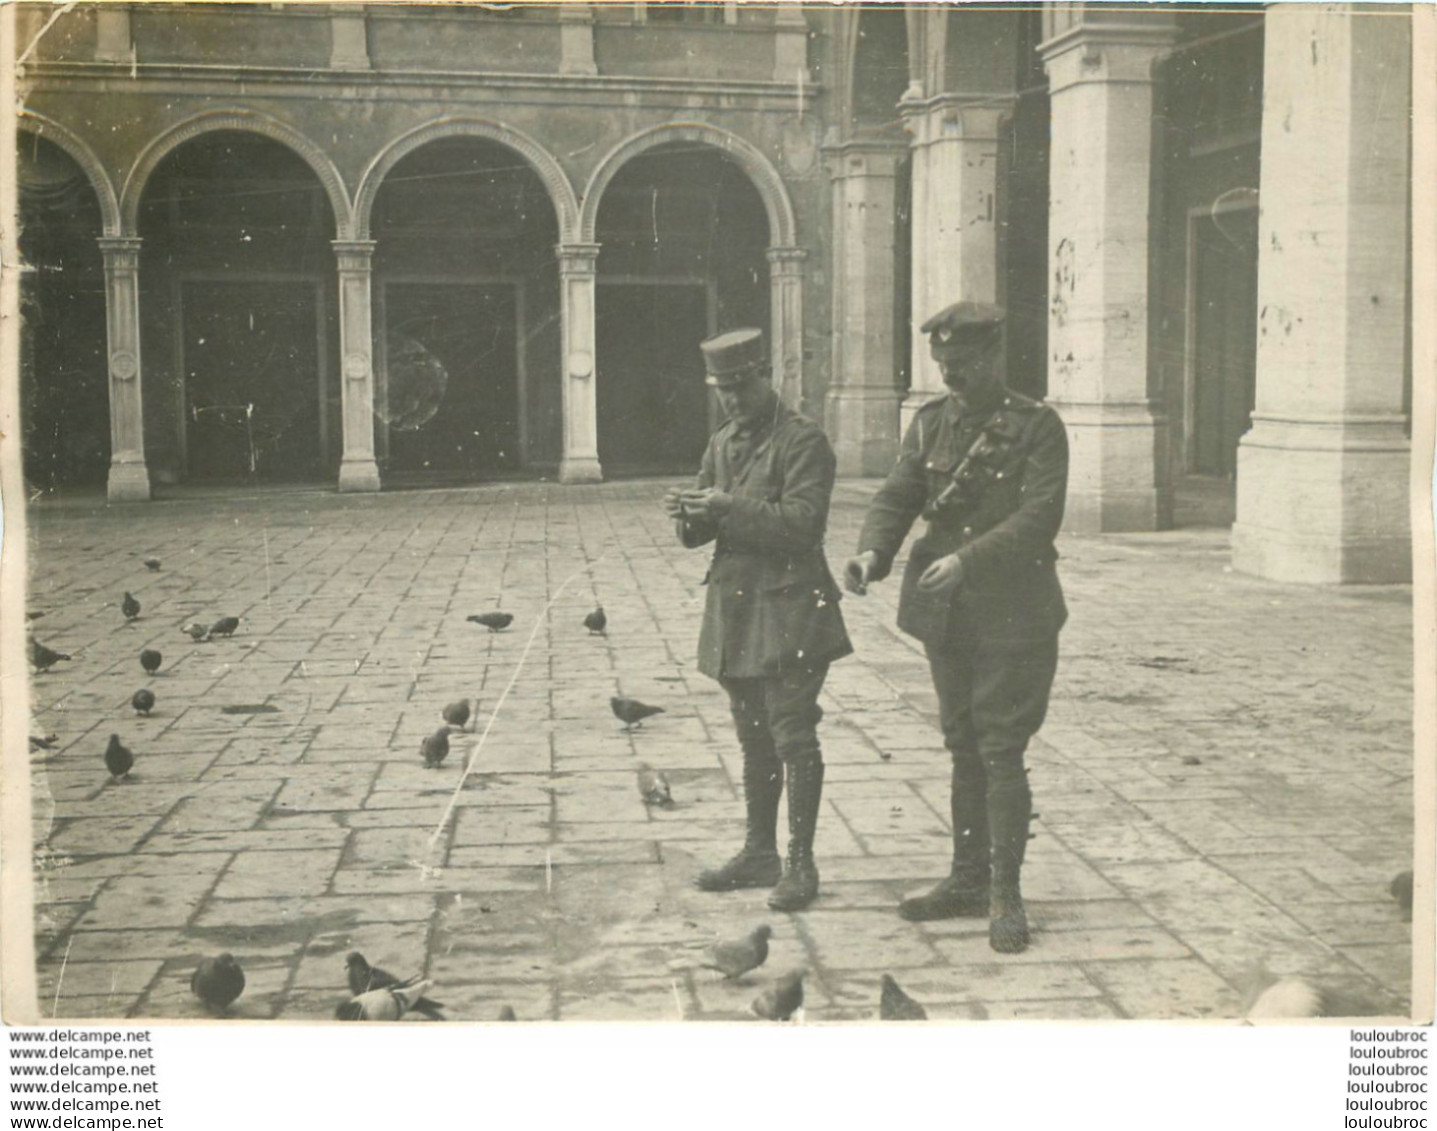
{"points": [[150, 660], [388, 1004], [1401, 890], [784, 1000], [43, 742], [596, 622], [143, 701], [494, 622], [129, 606], [737, 957], [152, 564], [631, 712], [435, 748], [119, 759], [1287, 999], [225, 626], [43, 657], [654, 787], [217, 982], [456, 714], [506, 1013], [895, 1005], [197, 632], [363, 978]]}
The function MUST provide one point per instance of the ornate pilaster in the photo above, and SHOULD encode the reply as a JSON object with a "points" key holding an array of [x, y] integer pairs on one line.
{"points": [[1101, 85], [580, 460], [955, 238], [785, 280], [129, 478], [358, 470], [863, 397]]}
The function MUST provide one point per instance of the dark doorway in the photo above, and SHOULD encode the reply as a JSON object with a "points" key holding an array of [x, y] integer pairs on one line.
{"points": [[1224, 358], [653, 405], [64, 378], [252, 380], [450, 394]]}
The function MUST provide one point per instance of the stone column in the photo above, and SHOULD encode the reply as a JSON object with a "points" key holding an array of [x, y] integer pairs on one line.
{"points": [[955, 238], [785, 286], [357, 468], [576, 40], [580, 461], [129, 478], [863, 396], [1100, 77], [1322, 477]]}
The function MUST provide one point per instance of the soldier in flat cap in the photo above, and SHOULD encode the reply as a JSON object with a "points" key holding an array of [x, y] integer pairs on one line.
{"points": [[988, 470], [771, 622]]}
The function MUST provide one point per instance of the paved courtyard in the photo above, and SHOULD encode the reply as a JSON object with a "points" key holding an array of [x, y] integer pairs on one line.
{"points": [[1224, 785]]}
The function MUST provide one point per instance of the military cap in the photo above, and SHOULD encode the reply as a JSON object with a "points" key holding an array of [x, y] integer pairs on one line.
{"points": [[732, 356], [962, 324]]}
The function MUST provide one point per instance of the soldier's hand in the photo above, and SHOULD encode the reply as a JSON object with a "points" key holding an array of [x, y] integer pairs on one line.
{"points": [[706, 502], [942, 576], [673, 502], [858, 571]]}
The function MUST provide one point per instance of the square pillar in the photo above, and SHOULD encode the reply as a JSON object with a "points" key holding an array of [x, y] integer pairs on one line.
{"points": [[580, 460], [129, 478], [863, 397], [1322, 477], [955, 235], [785, 281], [349, 40], [358, 470], [1100, 77]]}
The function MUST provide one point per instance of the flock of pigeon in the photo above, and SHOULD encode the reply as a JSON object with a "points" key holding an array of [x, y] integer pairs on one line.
{"points": [[377, 995]]}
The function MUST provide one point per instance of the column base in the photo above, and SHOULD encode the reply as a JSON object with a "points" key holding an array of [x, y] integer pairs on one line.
{"points": [[580, 469], [863, 427], [1324, 503], [359, 475], [1115, 452], [128, 482]]}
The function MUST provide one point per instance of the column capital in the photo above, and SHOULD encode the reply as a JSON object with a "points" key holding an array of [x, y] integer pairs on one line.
{"points": [[354, 255], [1117, 50], [577, 255], [119, 247], [864, 157], [955, 117], [786, 260]]}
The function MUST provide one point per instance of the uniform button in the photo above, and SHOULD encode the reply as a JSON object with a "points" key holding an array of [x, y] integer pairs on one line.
{"points": [[967, 530], [998, 476]]}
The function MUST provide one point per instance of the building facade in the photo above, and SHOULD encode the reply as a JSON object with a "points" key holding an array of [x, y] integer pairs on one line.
{"points": [[370, 244]]}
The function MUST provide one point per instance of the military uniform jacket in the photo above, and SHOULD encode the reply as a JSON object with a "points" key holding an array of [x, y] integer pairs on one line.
{"points": [[772, 603], [1003, 533]]}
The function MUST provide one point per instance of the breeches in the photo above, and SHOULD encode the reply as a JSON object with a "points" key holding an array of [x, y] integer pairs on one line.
{"points": [[777, 716], [990, 703]]}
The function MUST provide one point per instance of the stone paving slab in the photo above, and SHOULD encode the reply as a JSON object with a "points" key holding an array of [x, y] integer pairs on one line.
{"points": [[1223, 796]]}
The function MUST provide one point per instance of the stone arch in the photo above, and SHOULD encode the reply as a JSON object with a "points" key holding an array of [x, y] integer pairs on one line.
{"points": [[247, 121], [782, 228], [99, 180], [561, 192]]}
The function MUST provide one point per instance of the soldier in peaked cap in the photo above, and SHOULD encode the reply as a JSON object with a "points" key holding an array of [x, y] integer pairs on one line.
{"points": [[771, 622], [988, 470]]}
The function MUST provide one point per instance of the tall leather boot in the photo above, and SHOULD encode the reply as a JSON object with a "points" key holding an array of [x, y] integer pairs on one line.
{"points": [[799, 885], [757, 864], [964, 893], [1010, 810]]}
